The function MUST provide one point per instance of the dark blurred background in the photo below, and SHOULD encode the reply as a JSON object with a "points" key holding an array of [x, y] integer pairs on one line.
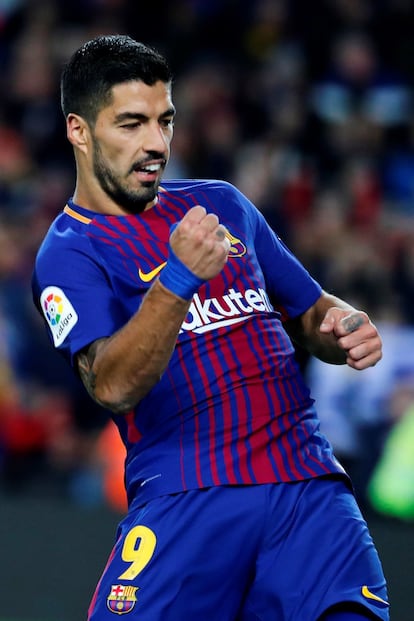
{"points": [[308, 108]]}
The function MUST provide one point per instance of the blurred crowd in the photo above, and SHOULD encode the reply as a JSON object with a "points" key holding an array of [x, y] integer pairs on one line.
{"points": [[308, 107]]}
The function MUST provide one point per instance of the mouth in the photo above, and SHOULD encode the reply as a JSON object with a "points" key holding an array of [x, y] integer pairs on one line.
{"points": [[149, 171]]}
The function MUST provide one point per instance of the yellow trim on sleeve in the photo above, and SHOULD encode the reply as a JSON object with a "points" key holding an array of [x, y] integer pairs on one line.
{"points": [[77, 216]]}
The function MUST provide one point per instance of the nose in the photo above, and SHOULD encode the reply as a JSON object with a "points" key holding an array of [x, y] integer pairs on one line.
{"points": [[156, 139]]}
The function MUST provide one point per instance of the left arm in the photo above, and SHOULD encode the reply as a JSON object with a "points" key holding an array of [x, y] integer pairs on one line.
{"points": [[336, 332], [330, 329]]}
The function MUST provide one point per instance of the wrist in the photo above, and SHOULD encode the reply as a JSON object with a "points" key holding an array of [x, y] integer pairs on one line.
{"points": [[177, 278]]}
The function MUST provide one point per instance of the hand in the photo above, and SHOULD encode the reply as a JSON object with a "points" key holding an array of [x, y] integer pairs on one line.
{"points": [[355, 334], [200, 242]]}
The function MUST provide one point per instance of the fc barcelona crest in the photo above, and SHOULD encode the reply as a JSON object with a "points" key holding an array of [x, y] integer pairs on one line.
{"points": [[121, 599], [237, 248]]}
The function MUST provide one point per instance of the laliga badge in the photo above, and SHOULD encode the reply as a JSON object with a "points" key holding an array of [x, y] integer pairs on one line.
{"points": [[59, 313]]}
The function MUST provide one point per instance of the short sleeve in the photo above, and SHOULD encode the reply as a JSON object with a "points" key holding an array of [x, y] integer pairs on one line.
{"points": [[72, 291], [288, 282]]}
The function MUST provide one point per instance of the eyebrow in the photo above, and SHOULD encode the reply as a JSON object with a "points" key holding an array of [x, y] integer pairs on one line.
{"points": [[134, 116]]}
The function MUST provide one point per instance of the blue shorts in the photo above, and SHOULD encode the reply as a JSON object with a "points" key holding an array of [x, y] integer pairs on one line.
{"points": [[256, 553]]}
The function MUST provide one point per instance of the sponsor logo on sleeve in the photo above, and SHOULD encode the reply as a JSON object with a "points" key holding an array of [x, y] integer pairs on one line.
{"points": [[59, 313]]}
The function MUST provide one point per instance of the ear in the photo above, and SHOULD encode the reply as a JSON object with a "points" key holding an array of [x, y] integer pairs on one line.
{"points": [[77, 131]]}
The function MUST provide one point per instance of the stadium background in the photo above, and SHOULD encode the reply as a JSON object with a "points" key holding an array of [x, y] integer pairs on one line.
{"points": [[308, 108]]}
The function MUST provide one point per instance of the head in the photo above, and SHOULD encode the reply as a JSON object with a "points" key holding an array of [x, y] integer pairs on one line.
{"points": [[116, 98]]}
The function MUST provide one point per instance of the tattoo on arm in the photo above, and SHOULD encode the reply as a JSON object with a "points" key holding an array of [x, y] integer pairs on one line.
{"points": [[85, 360]]}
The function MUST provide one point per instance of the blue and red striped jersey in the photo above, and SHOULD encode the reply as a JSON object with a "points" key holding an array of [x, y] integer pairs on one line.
{"points": [[232, 408]]}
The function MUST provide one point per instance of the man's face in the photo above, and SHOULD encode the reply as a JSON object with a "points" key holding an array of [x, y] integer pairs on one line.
{"points": [[131, 143]]}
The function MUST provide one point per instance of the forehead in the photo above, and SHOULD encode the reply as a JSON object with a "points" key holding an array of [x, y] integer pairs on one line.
{"points": [[140, 98]]}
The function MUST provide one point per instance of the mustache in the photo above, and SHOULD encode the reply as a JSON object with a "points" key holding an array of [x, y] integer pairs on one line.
{"points": [[153, 157]]}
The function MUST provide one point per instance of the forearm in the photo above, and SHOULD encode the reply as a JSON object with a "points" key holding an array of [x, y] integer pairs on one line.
{"points": [[119, 371], [305, 330], [338, 333]]}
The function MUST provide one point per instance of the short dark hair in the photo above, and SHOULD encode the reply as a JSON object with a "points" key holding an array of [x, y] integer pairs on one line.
{"points": [[101, 63]]}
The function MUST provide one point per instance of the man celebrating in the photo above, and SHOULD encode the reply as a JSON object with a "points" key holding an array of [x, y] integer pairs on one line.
{"points": [[176, 304]]}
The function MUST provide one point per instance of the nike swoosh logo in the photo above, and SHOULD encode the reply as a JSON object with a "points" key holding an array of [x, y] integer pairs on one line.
{"points": [[148, 276], [367, 593]]}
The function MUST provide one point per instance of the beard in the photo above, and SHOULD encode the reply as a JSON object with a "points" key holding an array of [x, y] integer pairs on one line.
{"points": [[132, 201]]}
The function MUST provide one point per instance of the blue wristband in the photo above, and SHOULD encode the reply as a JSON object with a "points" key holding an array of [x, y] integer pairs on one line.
{"points": [[177, 278]]}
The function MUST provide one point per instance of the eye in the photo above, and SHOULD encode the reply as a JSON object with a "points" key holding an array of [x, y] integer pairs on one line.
{"points": [[133, 125], [167, 123]]}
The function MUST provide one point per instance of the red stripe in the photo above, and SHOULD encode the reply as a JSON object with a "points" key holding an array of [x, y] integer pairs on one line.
{"points": [[289, 400], [133, 434], [118, 223], [321, 466], [144, 245], [183, 365], [240, 408], [211, 415], [260, 440], [226, 412], [185, 202], [298, 453], [180, 209], [273, 404], [178, 400]]}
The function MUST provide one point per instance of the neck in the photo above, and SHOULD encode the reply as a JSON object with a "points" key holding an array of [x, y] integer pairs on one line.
{"points": [[91, 196]]}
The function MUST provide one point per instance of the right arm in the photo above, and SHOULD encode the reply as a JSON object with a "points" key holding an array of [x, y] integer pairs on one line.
{"points": [[120, 370]]}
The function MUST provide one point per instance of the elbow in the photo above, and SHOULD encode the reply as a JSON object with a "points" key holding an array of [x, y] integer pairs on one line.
{"points": [[112, 388], [118, 404], [115, 386], [113, 399], [121, 398]]}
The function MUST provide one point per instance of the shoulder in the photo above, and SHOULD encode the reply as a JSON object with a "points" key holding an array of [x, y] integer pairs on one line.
{"points": [[213, 193], [64, 233], [192, 186], [64, 249]]}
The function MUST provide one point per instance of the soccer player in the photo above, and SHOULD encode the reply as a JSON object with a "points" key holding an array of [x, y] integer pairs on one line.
{"points": [[176, 305]]}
